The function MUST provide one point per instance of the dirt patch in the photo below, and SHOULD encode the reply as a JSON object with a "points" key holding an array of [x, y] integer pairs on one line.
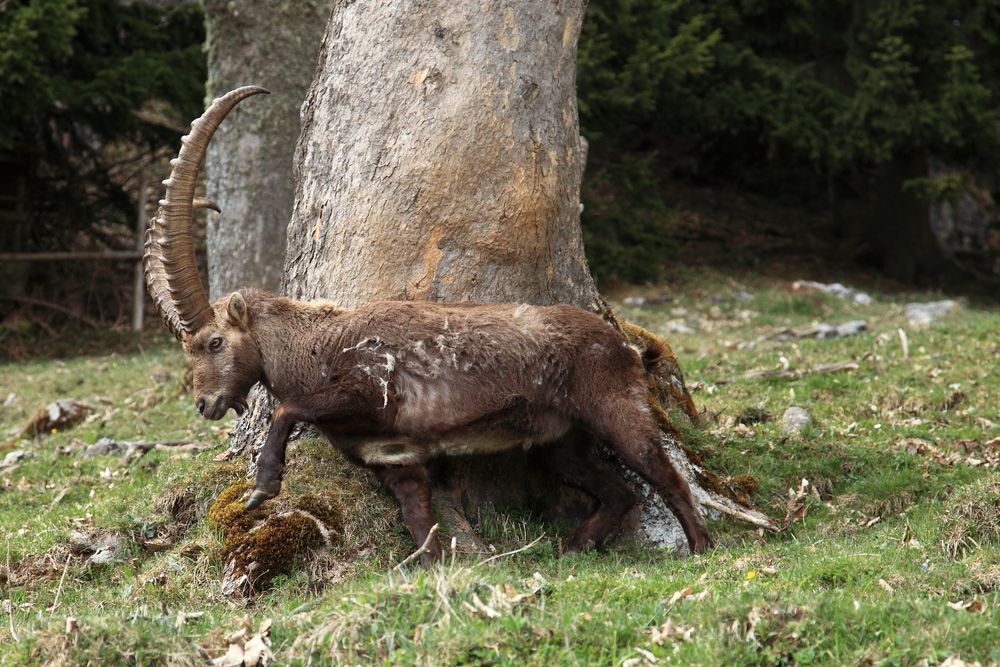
{"points": [[56, 416]]}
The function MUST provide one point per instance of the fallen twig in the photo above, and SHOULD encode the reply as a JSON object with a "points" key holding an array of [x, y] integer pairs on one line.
{"points": [[511, 553], [55, 603], [423, 547]]}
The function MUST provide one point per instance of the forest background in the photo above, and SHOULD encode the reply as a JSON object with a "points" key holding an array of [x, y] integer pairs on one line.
{"points": [[858, 131]]}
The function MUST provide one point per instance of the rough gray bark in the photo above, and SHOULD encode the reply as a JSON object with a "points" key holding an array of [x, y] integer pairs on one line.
{"points": [[271, 43], [440, 158]]}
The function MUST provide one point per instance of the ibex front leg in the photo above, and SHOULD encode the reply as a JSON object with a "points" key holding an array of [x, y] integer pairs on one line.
{"points": [[327, 406]]}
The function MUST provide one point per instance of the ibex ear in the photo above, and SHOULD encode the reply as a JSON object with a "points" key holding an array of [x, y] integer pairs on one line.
{"points": [[237, 310]]}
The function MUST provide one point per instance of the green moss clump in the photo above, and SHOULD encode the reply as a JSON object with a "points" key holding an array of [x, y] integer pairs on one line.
{"points": [[252, 559], [262, 543], [326, 507]]}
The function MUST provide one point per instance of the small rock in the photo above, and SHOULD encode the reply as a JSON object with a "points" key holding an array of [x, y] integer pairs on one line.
{"points": [[850, 328], [11, 397], [795, 420], [823, 330], [741, 296], [922, 314], [13, 458], [100, 546]]}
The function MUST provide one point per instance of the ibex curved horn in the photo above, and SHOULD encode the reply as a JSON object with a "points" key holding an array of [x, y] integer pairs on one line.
{"points": [[171, 273]]}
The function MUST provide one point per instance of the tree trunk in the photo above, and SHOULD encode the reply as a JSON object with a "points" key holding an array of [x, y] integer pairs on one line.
{"points": [[271, 43], [440, 159]]}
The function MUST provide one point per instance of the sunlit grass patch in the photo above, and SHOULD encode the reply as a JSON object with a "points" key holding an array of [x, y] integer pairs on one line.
{"points": [[893, 559]]}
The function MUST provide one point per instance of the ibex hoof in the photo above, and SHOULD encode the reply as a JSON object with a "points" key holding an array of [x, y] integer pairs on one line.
{"points": [[257, 497]]}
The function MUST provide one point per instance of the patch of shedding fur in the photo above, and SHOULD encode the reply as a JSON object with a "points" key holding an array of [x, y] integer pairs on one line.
{"points": [[372, 341], [390, 362], [447, 352], [521, 309], [385, 392]]}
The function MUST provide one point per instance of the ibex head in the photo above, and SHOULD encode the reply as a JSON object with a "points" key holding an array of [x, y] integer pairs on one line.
{"points": [[225, 358], [217, 337]]}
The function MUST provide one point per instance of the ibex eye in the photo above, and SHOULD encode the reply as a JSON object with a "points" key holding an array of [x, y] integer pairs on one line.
{"points": [[214, 344]]}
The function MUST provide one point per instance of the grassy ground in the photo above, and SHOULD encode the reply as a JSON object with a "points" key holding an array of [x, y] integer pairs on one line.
{"points": [[896, 560]]}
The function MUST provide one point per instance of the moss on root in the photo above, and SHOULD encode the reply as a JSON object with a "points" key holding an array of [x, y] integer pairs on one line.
{"points": [[262, 543]]}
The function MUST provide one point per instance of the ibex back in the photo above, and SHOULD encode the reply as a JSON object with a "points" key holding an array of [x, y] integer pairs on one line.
{"points": [[396, 383]]}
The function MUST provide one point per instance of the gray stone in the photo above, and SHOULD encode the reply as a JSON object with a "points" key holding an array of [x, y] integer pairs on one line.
{"points": [[795, 420], [13, 458], [922, 314], [742, 296]]}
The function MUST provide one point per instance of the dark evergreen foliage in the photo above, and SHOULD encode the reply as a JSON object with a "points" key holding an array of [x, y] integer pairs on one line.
{"points": [[796, 99], [91, 90]]}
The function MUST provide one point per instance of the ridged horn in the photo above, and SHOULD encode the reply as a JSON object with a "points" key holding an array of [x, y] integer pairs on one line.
{"points": [[169, 262]]}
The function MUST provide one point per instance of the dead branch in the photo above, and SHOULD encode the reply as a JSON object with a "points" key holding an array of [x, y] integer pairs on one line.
{"points": [[729, 508], [511, 553], [423, 547]]}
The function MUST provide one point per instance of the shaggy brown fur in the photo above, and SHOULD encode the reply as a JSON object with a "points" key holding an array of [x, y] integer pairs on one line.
{"points": [[394, 384]]}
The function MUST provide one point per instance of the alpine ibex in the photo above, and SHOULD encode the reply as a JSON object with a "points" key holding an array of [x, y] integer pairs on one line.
{"points": [[393, 384]]}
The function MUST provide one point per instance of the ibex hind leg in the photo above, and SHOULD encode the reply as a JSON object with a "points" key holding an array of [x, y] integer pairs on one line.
{"points": [[630, 430], [412, 488], [575, 461]]}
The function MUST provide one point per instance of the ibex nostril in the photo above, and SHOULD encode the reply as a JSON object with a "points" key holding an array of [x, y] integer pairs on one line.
{"points": [[201, 405]]}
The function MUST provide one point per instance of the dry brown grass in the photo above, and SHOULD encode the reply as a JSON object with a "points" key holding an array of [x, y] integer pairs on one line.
{"points": [[972, 517]]}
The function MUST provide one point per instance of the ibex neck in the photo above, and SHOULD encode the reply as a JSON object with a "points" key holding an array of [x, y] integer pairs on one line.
{"points": [[287, 334]]}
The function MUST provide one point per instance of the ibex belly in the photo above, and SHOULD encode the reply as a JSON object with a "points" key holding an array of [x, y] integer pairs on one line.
{"points": [[469, 440]]}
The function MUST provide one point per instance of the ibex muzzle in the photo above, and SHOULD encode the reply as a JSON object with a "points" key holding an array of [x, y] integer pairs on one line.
{"points": [[394, 384]]}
